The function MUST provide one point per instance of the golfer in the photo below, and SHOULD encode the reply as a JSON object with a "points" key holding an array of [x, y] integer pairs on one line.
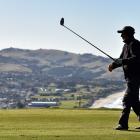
{"points": [[130, 61]]}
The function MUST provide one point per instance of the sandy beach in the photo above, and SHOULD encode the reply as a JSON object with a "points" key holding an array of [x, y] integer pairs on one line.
{"points": [[111, 101]]}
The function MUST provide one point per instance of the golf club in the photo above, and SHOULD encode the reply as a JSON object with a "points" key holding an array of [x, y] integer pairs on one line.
{"points": [[62, 23]]}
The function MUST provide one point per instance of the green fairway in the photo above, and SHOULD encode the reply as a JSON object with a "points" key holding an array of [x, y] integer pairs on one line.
{"points": [[61, 124]]}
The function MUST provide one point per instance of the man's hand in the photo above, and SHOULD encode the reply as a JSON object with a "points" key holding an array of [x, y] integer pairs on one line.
{"points": [[110, 67]]}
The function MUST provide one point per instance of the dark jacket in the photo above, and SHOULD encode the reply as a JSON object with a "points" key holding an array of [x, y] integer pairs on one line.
{"points": [[130, 59]]}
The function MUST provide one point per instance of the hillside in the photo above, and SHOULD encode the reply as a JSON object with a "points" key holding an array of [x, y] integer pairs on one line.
{"points": [[23, 72], [57, 63]]}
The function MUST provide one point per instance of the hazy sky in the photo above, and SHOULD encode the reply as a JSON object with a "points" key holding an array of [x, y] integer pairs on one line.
{"points": [[34, 24]]}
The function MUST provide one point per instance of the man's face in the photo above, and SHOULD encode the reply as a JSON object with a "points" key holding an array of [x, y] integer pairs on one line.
{"points": [[125, 36]]}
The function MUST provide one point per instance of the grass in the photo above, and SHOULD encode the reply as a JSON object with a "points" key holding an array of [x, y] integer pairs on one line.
{"points": [[64, 124], [68, 104]]}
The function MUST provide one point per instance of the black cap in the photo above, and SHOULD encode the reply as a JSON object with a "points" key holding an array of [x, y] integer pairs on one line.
{"points": [[127, 29]]}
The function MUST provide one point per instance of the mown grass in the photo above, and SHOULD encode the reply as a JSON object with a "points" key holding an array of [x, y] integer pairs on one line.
{"points": [[64, 124], [68, 104]]}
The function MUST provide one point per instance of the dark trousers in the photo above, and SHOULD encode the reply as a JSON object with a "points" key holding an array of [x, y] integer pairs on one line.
{"points": [[130, 99]]}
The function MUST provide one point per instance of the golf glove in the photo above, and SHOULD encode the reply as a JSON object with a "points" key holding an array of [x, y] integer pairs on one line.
{"points": [[118, 61]]}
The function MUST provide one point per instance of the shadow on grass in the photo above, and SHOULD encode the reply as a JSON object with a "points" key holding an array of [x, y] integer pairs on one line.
{"points": [[136, 130], [130, 130]]}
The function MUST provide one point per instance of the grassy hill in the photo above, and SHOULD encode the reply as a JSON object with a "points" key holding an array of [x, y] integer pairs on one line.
{"points": [[60, 124], [57, 63]]}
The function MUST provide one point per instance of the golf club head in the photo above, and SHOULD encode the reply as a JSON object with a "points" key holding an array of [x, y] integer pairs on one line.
{"points": [[62, 21]]}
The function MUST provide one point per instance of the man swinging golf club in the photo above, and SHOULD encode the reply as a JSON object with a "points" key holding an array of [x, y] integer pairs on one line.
{"points": [[130, 61]]}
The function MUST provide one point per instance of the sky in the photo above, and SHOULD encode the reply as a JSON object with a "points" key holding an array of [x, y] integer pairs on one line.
{"points": [[34, 24]]}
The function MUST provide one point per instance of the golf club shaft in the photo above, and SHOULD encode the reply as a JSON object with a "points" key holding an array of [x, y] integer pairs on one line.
{"points": [[89, 43]]}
